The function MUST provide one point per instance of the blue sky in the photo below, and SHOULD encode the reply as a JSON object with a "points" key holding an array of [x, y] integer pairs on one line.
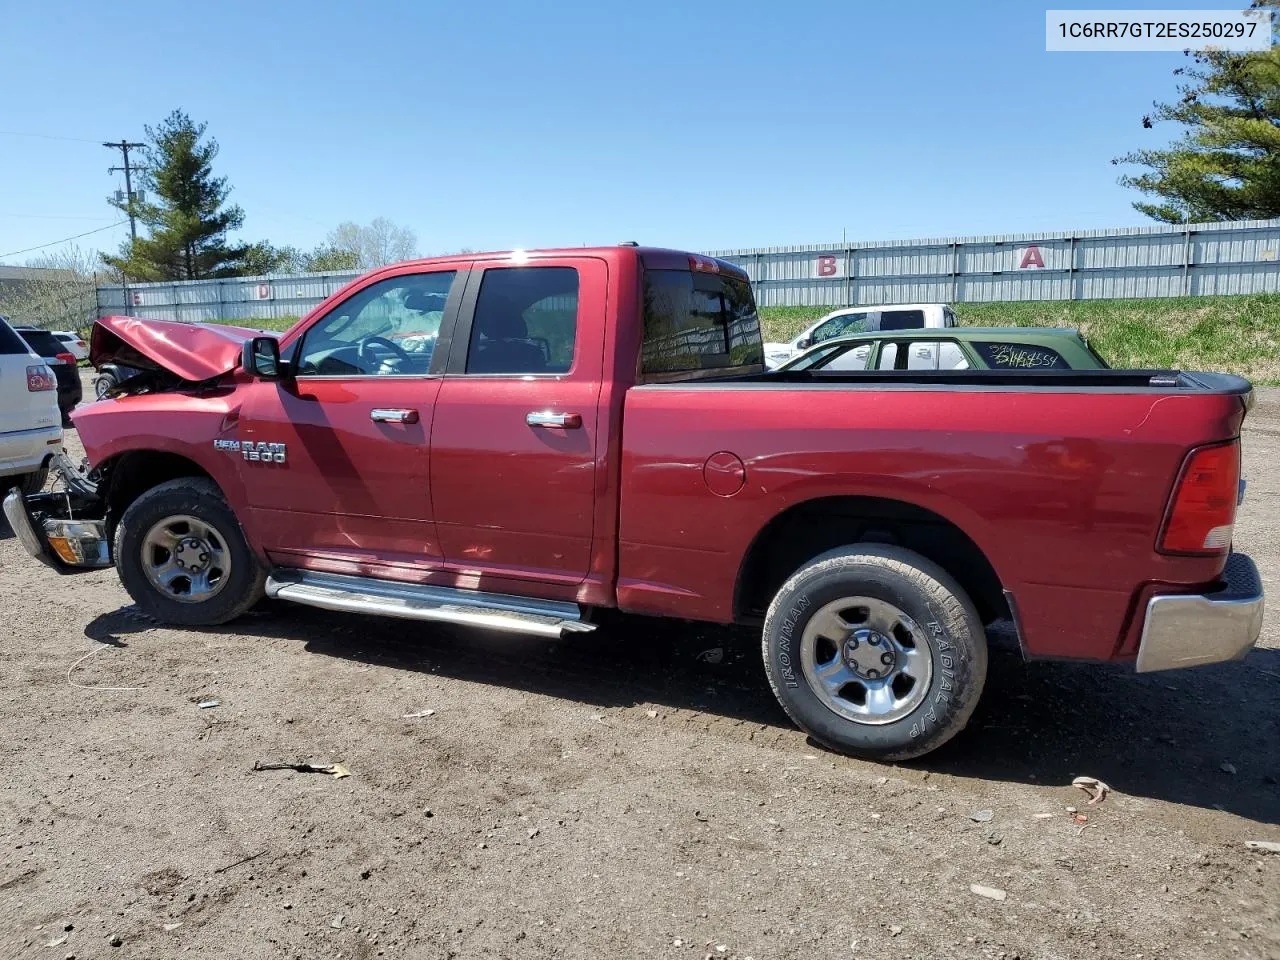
{"points": [[520, 124]]}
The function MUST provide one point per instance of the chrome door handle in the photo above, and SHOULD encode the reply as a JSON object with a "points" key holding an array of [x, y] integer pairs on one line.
{"points": [[546, 418], [393, 415]]}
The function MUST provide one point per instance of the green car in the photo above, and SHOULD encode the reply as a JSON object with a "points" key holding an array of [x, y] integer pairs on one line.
{"points": [[952, 348]]}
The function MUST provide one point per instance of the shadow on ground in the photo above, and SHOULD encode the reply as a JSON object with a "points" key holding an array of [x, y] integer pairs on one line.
{"points": [[1164, 736]]}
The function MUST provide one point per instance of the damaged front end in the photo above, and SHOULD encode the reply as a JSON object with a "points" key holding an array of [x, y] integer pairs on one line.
{"points": [[65, 528]]}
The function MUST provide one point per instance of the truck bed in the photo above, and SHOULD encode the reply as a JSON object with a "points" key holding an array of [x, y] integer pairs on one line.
{"points": [[1059, 478]]}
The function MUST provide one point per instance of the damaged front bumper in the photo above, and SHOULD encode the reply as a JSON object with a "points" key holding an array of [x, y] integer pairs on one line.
{"points": [[65, 530]]}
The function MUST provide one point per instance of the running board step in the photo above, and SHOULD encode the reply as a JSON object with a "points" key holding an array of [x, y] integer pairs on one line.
{"points": [[412, 601]]}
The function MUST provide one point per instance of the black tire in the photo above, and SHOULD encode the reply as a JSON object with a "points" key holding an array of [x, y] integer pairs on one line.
{"points": [[104, 383], [201, 499], [28, 483], [893, 578]]}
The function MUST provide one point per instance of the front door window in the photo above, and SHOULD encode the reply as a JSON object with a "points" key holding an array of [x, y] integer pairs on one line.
{"points": [[387, 329]]}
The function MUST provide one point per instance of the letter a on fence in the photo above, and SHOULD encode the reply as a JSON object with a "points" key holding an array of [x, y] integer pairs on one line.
{"points": [[1031, 258]]}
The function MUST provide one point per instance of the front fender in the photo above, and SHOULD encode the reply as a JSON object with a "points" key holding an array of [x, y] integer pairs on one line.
{"points": [[183, 425]]}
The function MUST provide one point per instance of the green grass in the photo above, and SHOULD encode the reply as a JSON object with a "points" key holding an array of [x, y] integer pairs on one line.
{"points": [[278, 324], [1239, 334]]}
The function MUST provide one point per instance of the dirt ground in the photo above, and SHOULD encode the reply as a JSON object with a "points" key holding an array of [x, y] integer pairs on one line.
{"points": [[620, 793]]}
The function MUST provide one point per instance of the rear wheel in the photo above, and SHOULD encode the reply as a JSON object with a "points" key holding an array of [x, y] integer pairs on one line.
{"points": [[182, 556], [875, 651]]}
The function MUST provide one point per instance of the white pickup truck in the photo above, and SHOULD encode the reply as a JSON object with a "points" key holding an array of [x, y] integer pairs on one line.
{"points": [[30, 423], [849, 320]]}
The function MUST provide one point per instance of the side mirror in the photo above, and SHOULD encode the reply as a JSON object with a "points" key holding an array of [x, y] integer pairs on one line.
{"points": [[262, 358], [804, 343]]}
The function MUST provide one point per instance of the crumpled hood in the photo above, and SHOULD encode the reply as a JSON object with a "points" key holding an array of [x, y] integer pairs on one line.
{"points": [[192, 351]]}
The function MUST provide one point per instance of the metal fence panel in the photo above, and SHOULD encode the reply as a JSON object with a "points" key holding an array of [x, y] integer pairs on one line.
{"points": [[236, 298], [1162, 261]]}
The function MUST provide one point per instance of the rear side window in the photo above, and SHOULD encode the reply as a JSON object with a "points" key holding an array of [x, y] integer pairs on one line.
{"points": [[698, 322], [1020, 356], [10, 342], [855, 358], [43, 342], [526, 321], [901, 319]]}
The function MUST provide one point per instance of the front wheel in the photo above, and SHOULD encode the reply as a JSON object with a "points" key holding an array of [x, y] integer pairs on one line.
{"points": [[104, 384], [875, 651], [183, 558], [27, 483]]}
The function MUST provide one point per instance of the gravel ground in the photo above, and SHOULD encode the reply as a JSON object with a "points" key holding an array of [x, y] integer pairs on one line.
{"points": [[615, 794]]}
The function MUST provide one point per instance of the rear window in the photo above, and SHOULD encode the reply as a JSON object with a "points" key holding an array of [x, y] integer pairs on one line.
{"points": [[695, 322], [43, 342], [1020, 356], [10, 342], [901, 319]]}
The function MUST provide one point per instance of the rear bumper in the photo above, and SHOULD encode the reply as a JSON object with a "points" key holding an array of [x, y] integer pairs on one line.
{"points": [[24, 451], [1190, 630], [65, 545]]}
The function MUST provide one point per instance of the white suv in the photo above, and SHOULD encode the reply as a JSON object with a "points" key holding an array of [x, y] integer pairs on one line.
{"points": [[30, 424], [850, 320]]}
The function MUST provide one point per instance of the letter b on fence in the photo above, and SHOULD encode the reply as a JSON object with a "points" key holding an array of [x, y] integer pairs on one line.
{"points": [[826, 267]]}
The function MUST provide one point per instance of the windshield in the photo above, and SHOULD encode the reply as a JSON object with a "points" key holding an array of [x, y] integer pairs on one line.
{"points": [[821, 356]]}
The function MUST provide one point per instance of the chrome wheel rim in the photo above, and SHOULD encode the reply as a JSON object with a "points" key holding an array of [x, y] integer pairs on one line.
{"points": [[186, 559], [866, 660]]}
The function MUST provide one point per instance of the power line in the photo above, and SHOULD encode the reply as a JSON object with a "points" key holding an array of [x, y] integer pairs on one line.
{"points": [[54, 243], [45, 136]]}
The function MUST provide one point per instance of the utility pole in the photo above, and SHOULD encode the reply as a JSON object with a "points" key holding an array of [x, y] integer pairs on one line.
{"points": [[124, 146]]}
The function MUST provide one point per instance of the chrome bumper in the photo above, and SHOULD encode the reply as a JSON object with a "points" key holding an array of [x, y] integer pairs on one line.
{"points": [[62, 544], [1190, 630]]}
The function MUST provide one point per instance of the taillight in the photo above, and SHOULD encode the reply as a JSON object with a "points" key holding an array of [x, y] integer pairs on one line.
{"points": [[66, 358], [40, 377], [1204, 502]]}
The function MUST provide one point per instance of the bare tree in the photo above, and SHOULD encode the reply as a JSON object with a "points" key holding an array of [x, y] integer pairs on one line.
{"points": [[374, 244], [58, 291]]}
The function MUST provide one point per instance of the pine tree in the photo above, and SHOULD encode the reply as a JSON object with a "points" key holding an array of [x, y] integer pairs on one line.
{"points": [[1226, 165], [186, 214]]}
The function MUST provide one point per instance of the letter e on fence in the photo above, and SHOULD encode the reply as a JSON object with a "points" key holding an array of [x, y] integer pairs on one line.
{"points": [[826, 267], [1031, 257]]}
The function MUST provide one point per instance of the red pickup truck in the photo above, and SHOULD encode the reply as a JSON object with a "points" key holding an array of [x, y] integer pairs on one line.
{"points": [[515, 440]]}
